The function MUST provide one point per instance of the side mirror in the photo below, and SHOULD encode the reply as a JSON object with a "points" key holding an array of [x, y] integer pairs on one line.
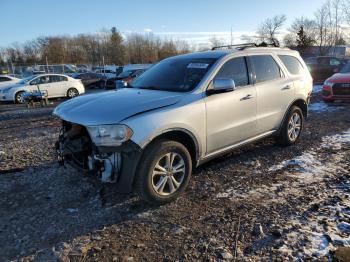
{"points": [[222, 85]]}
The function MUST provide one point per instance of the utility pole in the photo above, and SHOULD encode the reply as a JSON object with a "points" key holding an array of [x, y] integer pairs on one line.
{"points": [[13, 70], [104, 69], [47, 65]]}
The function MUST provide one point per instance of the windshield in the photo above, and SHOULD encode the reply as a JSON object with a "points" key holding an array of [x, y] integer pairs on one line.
{"points": [[177, 74], [346, 69], [126, 73], [26, 80]]}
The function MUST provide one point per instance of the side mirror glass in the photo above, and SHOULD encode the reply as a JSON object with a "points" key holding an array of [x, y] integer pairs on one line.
{"points": [[222, 85]]}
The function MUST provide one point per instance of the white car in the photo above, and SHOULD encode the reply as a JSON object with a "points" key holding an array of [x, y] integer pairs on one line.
{"points": [[7, 80], [54, 85]]}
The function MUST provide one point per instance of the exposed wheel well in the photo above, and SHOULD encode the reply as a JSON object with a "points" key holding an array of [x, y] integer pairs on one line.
{"points": [[184, 138], [302, 105]]}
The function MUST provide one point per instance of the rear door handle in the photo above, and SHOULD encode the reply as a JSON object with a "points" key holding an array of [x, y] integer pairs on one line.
{"points": [[287, 87], [247, 97]]}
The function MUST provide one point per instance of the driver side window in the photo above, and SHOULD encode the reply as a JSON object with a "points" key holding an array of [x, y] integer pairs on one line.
{"points": [[36, 81], [235, 69], [40, 80]]}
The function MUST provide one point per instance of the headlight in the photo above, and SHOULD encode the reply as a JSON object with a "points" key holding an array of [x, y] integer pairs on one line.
{"points": [[109, 135], [327, 83]]}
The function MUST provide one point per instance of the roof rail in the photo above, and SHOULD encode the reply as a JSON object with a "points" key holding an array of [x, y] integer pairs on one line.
{"points": [[243, 46], [238, 46]]}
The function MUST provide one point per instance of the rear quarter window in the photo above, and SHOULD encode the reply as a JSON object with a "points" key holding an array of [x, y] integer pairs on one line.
{"points": [[292, 64]]}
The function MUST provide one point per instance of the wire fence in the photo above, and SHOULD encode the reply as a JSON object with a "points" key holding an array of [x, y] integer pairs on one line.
{"points": [[23, 70]]}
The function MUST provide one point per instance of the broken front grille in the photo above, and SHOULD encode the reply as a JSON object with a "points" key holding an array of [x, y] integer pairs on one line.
{"points": [[74, 145]]}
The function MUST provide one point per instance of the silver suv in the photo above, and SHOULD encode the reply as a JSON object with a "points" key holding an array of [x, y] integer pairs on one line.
{"points": [[182, 112]]}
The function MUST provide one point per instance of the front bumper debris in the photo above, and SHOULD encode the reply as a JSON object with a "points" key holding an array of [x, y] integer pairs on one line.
{"points": [[110, 164]]}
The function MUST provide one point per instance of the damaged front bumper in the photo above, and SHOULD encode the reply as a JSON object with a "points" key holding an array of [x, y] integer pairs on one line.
{"points": [[111, 164]]}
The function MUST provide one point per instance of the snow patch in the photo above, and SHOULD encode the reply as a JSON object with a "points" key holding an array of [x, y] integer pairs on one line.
{"points": [[308, 161], [320, 230], [336, 141], [320, 107]]}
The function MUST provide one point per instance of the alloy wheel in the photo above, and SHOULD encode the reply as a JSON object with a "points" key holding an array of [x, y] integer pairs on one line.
{"points": [[168, 174], [20, 98], [294, 127], [72, 93]]}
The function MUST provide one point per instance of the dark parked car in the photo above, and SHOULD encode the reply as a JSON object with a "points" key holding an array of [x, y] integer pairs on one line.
{"points": [[91, 80], [322, 67], [124, 78]]}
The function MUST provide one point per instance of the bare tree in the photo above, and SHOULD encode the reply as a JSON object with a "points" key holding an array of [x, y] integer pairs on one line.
{"points": [[328, 19], [107, 45], [214, 41], [269, 29], [308, 27]]}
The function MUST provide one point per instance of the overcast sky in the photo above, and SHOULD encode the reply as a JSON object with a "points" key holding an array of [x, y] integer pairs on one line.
{"points": [[193, 20]]}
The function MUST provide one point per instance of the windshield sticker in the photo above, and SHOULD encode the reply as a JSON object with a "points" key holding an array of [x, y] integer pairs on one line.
{"points": [[198, 65]]}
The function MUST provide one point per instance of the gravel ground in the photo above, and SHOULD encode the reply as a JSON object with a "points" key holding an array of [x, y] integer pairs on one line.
{"points": [[261, 202]]}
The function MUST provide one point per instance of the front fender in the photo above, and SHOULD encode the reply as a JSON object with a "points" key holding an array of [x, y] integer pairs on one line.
{"points": [[189, 118]]}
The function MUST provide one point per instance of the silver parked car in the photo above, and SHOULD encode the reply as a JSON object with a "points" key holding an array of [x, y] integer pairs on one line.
{"points": [[182, 112]]}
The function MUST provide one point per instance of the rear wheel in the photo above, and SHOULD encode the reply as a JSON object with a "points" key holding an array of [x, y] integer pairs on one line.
{"points": [[164, 172], [19, 97], [292, 127], [72, 92]]}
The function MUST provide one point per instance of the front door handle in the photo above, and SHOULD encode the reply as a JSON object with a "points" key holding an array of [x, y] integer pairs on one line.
{"points": [[287, 87], [246, 97]]}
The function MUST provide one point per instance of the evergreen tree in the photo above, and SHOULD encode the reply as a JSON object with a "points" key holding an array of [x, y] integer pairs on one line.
{"points": [[303, 39], [116, 48]]}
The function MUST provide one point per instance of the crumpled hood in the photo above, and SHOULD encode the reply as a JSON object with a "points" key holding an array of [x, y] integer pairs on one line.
{"points": [[113, 106]]}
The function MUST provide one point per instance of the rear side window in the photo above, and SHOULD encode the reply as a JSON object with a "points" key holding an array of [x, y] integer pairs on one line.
{"points": [[236, 69], [56, 78], [266, 68], [292, 64], [63, 78]]}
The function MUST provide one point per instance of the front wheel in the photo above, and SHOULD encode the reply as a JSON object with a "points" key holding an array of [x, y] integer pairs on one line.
{"points": [[164, 172], [291, 127], [19, 97], [72, 92]]}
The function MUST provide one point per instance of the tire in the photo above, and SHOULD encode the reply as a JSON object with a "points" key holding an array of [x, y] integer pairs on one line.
{"points": [[293, 121], [72, 92], [19, 99], [101, 85], [159, 185]]}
